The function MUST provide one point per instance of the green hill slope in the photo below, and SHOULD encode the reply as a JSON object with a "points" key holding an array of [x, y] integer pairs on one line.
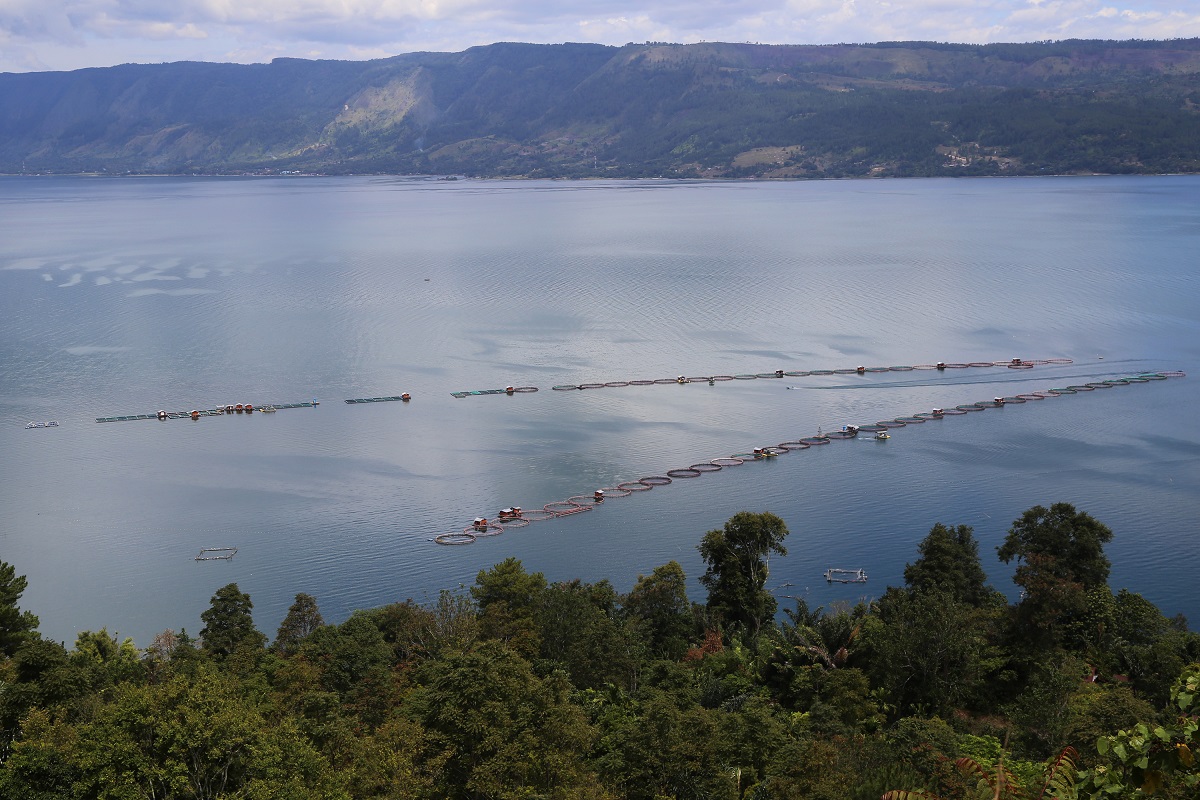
{"points": [[581, 110]]}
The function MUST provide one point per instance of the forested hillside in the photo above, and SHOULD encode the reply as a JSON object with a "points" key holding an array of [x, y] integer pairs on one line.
{"points": [[521, 688], [581, 110]]}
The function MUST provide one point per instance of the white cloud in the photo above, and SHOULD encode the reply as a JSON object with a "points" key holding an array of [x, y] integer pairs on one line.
{"points": [[68, 34]]}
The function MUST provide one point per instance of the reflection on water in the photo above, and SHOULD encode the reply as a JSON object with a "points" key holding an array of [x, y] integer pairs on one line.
{"points": [[127, 296]]}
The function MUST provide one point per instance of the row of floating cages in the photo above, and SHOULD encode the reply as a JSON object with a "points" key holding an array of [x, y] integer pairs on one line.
{"points": [[237, 408]]}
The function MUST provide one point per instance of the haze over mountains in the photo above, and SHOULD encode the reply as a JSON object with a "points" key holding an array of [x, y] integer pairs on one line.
{"points": [[585, 110]]}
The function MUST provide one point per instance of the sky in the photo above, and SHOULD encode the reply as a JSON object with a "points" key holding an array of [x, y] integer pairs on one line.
{"points": [[54, 35]]}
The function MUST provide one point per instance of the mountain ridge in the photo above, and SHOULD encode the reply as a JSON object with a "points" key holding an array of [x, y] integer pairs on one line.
{"points": [[715, 110]]}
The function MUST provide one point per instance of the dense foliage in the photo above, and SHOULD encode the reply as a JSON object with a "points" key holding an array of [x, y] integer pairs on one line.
{"points": [[522, 688], [584, 110]]}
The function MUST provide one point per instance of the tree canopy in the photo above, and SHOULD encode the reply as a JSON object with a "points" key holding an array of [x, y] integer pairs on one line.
{"points": [[1060, 557], [228, 623], [16, 626], [520, 688], [738, 559]]}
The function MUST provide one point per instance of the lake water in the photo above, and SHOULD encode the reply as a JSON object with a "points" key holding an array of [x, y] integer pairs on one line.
{"points": [[125, 296]]}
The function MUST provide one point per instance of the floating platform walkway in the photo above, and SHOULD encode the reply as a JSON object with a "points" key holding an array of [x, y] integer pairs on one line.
{"points": [[217, 554], [239, 408], [516, 517], [1012, 363], [403, 398], [507, 390]]}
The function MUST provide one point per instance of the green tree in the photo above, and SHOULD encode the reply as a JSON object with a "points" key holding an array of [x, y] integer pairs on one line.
{"points": [[582, 635], [105, 660], [229, 625], [302, 619], [194, 737], [929, 651], [497, 730], [16, 626], [1060, 557], [738, 566], [508, 599], [949, 564], [659, 745], [1149, 760], [659, 602]]}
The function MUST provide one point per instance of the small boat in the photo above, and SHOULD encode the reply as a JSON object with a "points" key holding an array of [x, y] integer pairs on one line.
{"points": [[882, 435], [51, 424]]}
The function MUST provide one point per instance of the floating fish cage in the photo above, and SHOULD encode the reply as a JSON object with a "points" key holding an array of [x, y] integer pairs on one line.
{"points": [[217, 554], [834, 575]]}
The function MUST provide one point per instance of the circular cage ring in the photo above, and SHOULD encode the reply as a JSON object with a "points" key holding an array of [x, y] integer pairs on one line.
{"points": [[455, 537], [794, 445], [654, 480], [558, 507], [686, 472], [537, 515], [634, 486], [565, 387], [706, 466], [727, 461], [526, 389], [813, 441], [616, 384], [591, 386]]}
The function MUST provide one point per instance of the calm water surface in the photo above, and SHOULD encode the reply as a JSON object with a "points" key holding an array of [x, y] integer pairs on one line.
{"points": [[127, 296]]}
